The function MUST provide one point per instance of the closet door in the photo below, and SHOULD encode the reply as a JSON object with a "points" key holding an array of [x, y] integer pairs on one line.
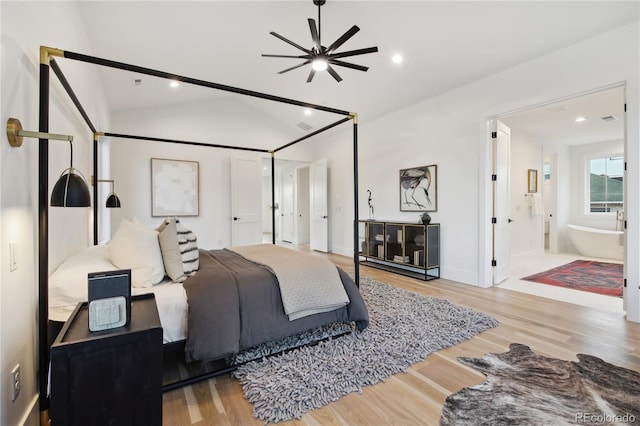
{"points": [[319, 206], [246, 199], [287, 203]]}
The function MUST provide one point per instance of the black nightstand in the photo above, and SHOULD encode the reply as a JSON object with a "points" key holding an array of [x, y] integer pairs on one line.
{"points": [[110, 377]]}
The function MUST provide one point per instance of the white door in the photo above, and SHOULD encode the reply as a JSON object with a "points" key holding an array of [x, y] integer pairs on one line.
{"points": [[501, 204], [319, 227], [246, 201], [287, 218], [302, 204]]}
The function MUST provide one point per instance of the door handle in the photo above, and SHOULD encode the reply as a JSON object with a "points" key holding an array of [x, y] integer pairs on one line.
{"points": [[510, 220], [236, 218], [324, 217]]}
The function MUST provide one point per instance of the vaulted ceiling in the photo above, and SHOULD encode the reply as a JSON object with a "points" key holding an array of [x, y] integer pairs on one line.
{"points": [[444, 44]]}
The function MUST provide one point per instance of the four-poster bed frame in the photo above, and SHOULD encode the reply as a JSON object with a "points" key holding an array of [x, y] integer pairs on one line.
{"points": [[46, 63]]}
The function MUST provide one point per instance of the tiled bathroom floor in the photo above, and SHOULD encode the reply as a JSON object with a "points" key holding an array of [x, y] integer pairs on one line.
{"points": [[546, 261]]}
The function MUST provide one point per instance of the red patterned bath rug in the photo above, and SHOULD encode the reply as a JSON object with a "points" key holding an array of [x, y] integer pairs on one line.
{"points": [[586, 275]]}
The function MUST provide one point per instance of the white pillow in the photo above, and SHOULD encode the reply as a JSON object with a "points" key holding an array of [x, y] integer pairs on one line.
{"points": [[136, 247], [68, 283]]}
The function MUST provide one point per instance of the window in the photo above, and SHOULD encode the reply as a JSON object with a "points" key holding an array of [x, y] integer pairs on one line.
{"points": [[546, 171], [605, 184]]}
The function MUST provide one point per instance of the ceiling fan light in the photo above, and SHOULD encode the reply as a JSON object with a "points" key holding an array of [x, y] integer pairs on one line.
{"points": [[320, 64]]}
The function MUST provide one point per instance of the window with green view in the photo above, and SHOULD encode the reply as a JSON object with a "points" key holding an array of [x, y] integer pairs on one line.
{"points": [[606, 184]]}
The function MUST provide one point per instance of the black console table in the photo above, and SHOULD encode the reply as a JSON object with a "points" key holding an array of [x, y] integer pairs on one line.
{"points": [[411, 249]]}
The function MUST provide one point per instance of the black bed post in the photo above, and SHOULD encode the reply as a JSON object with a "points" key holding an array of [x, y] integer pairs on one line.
{"points": [[43, 239], [273, 198], [356, 227], [94, 181]]}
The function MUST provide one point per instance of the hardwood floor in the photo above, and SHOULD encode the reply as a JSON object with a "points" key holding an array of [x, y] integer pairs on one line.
{"points": [[550, 328]]}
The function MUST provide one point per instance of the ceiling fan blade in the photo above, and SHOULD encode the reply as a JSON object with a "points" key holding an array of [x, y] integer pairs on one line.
{"points": [[287, 56], [334, 74], [348, 65], [294, 67], [344, 37], [286, 40], [314, 34], [354, 52], [311, 74]]}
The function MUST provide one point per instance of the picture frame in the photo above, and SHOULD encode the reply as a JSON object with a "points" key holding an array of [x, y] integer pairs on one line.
{"points": [[174, 187], [419, 189], [532, 181]]}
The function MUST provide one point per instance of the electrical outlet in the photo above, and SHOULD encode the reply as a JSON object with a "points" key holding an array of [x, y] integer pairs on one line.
{"points": [[16, 381]]}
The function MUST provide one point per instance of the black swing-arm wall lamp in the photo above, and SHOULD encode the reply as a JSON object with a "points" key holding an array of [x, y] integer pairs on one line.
{"points": [[112, 200], [71, 189]]}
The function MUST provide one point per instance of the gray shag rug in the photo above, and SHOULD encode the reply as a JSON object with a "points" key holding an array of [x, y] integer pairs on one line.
{"points": [[523, 388], [404, 328]]}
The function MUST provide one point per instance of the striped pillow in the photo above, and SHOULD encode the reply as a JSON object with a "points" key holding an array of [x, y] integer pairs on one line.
{"points": [[188, 244], [168, 237]]}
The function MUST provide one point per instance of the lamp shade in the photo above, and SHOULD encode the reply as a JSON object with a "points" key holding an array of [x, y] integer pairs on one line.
{"points": [[113, 201], [70, 191]]}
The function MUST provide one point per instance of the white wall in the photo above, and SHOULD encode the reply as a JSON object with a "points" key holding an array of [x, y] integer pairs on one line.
{"points": [[558, 201], [450, 130], [526, 233], [220, 121], [25, 27]]}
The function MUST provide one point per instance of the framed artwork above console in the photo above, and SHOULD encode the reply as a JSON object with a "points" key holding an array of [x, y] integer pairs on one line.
{"points": [[419, 189]]}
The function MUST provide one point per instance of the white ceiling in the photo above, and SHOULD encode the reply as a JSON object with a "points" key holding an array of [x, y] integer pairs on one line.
{"points": [[555, 124], [445, 44]]}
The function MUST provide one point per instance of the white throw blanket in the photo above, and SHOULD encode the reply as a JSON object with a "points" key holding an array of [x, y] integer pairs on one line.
{"points": [[309, 284]]}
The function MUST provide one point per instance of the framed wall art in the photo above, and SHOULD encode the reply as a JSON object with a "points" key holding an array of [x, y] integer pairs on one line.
{"points": [[419, 189], [174, 187]]}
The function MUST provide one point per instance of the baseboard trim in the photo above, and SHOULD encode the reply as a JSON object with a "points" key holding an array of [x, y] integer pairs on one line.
{"points": [[31, 416]]}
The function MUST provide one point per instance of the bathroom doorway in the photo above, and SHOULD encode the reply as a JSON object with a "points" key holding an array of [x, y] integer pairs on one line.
{"points": [[565, 142]]}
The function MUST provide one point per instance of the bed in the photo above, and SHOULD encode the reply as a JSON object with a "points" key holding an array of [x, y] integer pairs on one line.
{"points": [[48, 305], [234, 299]]}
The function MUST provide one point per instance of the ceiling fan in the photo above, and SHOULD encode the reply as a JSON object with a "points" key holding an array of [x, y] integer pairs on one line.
{"points": [[320, 57]]}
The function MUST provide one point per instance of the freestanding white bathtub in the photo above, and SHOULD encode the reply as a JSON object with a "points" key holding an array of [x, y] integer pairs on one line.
{"points": [[592, 242]]}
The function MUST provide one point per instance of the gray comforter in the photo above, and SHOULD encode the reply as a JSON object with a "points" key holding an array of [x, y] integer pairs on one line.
{"points": [[235, 304]]}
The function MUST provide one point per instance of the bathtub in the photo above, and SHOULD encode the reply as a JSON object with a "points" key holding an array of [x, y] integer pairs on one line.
{"points": [[601, 243]]}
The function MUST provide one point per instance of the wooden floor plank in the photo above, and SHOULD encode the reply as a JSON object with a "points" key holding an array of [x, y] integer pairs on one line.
{"points": [[550, 328]]}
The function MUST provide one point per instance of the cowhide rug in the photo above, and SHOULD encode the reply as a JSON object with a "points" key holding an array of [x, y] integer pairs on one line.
{"points": [[523, 388]]}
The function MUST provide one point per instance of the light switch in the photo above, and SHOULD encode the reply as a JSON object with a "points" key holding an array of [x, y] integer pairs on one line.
{"points": [[13, 261]]}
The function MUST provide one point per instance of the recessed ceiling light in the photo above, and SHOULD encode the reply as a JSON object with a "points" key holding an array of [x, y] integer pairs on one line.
{"points": [[397, 58], [174, 84], [580, 119], [307, 111]]}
